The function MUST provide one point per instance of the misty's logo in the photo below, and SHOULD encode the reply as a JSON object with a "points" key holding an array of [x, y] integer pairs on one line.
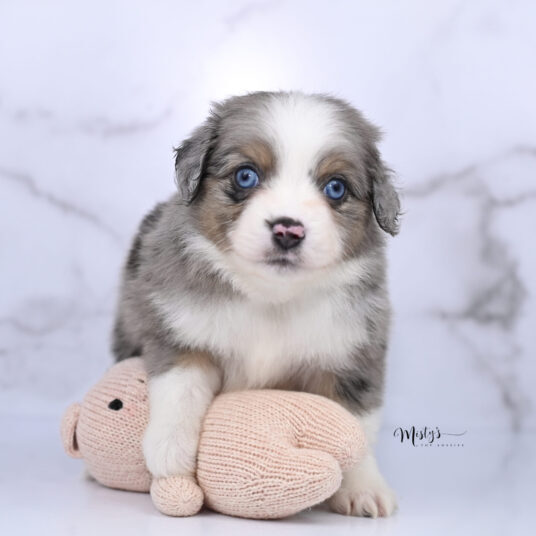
{"points": [[428, 436]]}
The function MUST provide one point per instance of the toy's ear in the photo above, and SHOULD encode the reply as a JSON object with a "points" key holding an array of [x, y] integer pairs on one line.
{"points": [[68, 430]]}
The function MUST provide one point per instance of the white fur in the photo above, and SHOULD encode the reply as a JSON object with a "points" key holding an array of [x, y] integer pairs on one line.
{"points": [[262, 342], [301, 131], [370, 422], [178, 400]]}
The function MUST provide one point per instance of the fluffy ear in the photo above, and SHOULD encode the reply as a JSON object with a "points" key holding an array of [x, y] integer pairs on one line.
{"points": [[68, 430], [191, 158], [385, 201]]}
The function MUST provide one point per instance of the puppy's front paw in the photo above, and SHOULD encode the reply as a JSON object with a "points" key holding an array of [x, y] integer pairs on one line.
{"points": [[167, 454], [367, 500]]}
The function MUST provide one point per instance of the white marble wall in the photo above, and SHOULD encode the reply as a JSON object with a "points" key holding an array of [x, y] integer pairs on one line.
{"points": [[93, 96]]}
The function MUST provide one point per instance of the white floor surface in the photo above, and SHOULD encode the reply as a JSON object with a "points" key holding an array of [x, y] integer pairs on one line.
{"points": [[485, 487]]}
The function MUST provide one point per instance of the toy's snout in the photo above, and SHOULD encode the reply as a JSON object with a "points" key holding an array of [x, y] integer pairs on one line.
{"points": [[69, 423]]}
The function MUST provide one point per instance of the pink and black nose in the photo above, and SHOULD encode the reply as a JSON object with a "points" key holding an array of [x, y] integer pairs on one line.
{"points": [[286, 232]]}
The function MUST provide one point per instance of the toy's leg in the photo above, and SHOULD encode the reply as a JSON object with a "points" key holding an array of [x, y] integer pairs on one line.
{"points": [[177, 496], [364, 491], [291, 479], [335, 431], [178, 399]]}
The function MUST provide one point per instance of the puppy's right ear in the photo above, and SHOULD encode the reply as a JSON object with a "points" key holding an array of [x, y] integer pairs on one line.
{"points": [[191, 158]]}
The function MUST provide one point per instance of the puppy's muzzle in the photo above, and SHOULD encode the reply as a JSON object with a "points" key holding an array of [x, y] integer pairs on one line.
{"points": [[287, 233]]}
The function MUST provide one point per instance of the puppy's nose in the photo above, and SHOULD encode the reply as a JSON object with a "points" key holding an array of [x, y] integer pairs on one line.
{"points": [[287, 233]]}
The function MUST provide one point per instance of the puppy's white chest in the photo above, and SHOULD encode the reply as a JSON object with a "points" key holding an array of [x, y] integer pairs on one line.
{"points": [[259, 345]]}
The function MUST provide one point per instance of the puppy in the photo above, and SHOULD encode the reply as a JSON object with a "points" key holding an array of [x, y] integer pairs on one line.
{"points": [[265, 270]]}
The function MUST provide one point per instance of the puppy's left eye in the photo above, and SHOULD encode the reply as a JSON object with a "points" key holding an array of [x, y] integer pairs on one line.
{"points": [[246, 177], [335, 189]]}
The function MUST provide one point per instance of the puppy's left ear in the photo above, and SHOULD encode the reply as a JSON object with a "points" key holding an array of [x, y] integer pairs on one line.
{"points": [[384, 198], [191, 158]]}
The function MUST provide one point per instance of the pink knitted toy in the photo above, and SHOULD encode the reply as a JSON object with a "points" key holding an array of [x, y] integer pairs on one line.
{"points": [[262, 454]]}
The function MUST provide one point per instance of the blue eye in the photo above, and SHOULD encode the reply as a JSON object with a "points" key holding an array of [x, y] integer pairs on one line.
{"points": [[246, 177], [335, 189]]}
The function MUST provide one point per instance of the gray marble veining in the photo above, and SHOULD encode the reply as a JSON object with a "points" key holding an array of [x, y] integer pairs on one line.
{"points": [[92, 102]]}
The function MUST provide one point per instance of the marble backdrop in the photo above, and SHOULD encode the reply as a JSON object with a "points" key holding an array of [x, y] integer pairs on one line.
{"points": [[94, 95]]}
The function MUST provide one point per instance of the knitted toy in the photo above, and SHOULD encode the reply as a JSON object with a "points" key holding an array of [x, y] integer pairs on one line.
{"points": [[262, 454]]}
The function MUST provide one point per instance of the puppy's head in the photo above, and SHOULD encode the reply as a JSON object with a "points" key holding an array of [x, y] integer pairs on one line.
{"points": [[287, 185]]}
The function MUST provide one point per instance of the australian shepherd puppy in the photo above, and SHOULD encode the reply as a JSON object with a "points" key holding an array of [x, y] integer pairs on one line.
{"points": [[265, 270]]}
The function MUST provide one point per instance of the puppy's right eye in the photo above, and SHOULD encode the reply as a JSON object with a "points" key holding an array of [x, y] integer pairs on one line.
{"points": [[115, 404], [246, 177]]}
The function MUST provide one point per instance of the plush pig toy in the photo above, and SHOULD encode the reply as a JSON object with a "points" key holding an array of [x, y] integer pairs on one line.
{"points": [[262, 454]]}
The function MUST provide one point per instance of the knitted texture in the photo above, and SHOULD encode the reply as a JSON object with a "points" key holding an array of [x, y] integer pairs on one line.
{"points": [[262, 454], [177, 496], [110, 441], [266, 454]]}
